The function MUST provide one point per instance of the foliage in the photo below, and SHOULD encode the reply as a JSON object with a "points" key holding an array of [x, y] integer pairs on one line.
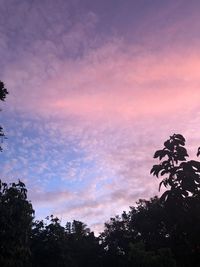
{"points": [[3, 93], [169, 224], [140, 257], [16, 215], [48, 244], [182, 177], [71, 246], [182, 199], [144, 224]]}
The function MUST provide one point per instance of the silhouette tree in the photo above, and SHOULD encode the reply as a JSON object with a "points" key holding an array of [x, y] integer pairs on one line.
{"points": [[148, 219], [49, 244], [182, 177], [139, 256], [181, 200], [161, 231], [139, 237], [16, 215], [116, 238], [84, 246], [70, 246]]}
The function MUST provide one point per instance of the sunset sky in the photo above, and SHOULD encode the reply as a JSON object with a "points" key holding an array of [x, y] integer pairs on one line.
{"points": [[95, 88]]}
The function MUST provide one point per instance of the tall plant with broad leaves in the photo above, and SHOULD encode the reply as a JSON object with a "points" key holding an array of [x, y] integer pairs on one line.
{"points": [[180, 176]]}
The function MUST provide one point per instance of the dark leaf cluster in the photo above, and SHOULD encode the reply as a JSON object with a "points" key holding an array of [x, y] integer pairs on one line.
{"points": [[3, 93], [180, 177]]}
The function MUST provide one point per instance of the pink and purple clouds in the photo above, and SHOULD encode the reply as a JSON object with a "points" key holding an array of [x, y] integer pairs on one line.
{"points": [[95, 88]]}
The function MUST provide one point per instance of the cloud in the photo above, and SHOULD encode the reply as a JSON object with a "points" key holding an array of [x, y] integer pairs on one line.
{"points": [[84, 115], [49, 197], [108, 81]]}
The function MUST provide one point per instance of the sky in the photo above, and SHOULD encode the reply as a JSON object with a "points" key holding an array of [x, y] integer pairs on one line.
{"points": [[95, 88]]}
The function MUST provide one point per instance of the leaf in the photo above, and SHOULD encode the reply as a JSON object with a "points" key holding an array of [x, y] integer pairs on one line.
{"points": [[161, 154], [180, 137], [165, 196], [180, 158], [165, 164], [157, 154], [160, 184], [163, 172], [195, 163], [168, 145], [156, 169], [181, 150]]}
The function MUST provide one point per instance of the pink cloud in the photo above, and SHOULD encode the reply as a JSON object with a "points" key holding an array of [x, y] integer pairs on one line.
{"points": [[118, 86], [115, 107], [51, 197]]}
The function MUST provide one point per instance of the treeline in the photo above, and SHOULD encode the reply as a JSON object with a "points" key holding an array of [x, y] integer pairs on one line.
{"points": [[160, 232]]}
